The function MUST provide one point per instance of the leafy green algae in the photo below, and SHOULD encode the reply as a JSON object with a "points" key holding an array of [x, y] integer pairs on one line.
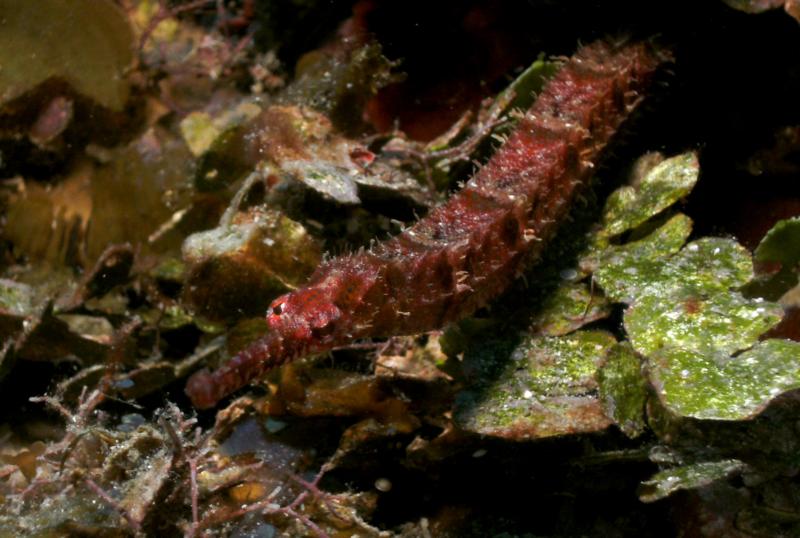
{"points": [[685, 311], [570, 306], [781, 244], [708, 265], [719, 387], [623, 390], [548, 390], [723, 322], [666, 239], [665, 184], [693, 476], [684, 317], [563, 366]]}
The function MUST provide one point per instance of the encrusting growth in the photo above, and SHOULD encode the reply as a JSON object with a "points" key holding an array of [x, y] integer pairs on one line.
{"points": [[468, 250]]}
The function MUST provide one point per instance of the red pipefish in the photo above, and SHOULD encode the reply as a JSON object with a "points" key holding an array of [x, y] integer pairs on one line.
{"points": [[468, 250]]}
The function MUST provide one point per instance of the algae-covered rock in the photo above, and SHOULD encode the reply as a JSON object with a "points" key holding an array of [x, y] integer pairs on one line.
{"points": [[339, 84], [237, 269], [548, 388]]}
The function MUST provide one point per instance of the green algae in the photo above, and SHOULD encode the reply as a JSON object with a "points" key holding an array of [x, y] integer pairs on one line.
{"points": [[719, 387], [724, 322], [697, 475], [568, 308], [522, 91], [548, 390], [623, 390], [664, 240], [781, 244], [705, 266], [684, 309], [665, 184], [563, 366], [679, 297]]}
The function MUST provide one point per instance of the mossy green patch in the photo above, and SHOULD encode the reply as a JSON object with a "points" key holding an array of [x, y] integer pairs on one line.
{"points": [[708, 265], [547, 389], [722, 322], [664, 240], [568, 308], [719, 387], [563, 366]]}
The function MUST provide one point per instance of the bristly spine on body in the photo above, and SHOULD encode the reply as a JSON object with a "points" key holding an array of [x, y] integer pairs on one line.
{"points": [[468, 250]]}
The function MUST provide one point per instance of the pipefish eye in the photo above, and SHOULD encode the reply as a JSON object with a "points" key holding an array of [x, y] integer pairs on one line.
{"points": [[277, 308]]}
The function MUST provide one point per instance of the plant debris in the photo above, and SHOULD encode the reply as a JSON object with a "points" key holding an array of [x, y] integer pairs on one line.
{"points": [[694, 476]]}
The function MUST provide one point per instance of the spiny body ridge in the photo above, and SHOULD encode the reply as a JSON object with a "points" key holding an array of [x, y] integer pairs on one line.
{"points": [[468, 250]]}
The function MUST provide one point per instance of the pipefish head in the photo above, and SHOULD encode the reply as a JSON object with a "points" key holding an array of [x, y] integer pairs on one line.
{"points": [[307, 319]]}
